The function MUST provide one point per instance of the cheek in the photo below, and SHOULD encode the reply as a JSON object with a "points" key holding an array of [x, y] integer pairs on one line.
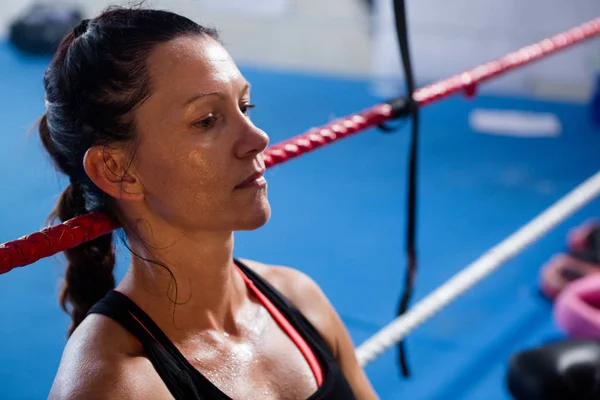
{"points": [[178, 179], [203, 175]]}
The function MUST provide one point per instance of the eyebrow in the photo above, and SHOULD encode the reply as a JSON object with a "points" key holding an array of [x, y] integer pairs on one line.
{"points": [[213, 93]]}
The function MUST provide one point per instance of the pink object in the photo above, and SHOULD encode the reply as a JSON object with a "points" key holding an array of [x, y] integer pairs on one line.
{"points": [[577, 308], [562, 270]]}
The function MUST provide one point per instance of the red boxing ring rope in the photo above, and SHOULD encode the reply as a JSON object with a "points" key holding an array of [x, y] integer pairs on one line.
{"points": [[52, 240]]}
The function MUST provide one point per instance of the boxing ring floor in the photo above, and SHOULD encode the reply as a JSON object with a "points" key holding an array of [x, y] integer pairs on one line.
{"points": [[338, 215]]}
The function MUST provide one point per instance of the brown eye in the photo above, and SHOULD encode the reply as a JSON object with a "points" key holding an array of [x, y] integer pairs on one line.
{"points": [[207, 122], [246, 108]]}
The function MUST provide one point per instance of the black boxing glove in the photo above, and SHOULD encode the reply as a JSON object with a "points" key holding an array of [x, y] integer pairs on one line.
{"points": [[564, 370]]}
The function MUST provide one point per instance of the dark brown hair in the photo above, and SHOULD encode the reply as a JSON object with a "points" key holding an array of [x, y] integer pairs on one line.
{"points": [[96, 79]]}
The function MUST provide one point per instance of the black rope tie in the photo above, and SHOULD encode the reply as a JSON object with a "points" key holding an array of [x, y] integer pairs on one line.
{"points": [[411, 212]]}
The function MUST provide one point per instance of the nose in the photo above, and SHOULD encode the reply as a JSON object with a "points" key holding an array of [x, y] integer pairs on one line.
{"points": [[252, 141]]}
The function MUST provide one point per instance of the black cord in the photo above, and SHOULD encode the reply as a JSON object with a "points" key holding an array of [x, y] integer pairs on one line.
{"points": [[402, 32]]}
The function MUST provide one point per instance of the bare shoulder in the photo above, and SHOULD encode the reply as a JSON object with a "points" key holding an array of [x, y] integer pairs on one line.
{"points": [[295, 285], [304, 293], [103, 361]]}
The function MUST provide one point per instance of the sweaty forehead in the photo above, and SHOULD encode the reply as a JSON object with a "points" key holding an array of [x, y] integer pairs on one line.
{"points": [[191, 63]]}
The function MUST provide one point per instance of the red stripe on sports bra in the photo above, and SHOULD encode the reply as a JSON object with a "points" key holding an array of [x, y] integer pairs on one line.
{"points": [[138, 321], [304, 348], [146, 329]]}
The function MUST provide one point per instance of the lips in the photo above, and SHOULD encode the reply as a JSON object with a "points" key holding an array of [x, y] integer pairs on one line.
{"points": [[253, 180]]}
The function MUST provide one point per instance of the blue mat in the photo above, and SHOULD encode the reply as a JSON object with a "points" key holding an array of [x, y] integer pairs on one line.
{"points": [[339, 215]]}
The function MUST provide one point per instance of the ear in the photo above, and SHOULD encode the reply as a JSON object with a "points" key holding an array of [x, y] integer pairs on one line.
{"points": [[111, 170]]}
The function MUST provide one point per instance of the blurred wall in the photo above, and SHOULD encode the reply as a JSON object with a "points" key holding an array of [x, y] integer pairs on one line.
{"points": [[328, 36], [340, 37], [451, 36]]}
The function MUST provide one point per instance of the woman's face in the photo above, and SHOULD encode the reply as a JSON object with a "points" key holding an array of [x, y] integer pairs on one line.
{"points": [[197, 144]]}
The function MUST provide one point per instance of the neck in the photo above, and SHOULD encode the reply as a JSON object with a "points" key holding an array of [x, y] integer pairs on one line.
{"points": [[189, 284]]}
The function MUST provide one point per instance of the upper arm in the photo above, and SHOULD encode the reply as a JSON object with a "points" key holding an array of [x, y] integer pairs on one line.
{"points": [[308, 297], [91, 369], [346, 356], [96, 380]]}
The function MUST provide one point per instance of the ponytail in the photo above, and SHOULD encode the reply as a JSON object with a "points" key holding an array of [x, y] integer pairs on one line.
{"points": [[89, 273]]}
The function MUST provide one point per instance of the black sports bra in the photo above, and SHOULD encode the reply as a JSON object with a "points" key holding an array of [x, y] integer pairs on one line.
{"points": [[186, 382]]}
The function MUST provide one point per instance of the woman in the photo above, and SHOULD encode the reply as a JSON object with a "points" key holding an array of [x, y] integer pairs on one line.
{"points": [[148, 116]]}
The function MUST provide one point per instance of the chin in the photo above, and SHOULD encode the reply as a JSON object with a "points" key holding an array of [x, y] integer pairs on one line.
{"points": [[255, 216]]}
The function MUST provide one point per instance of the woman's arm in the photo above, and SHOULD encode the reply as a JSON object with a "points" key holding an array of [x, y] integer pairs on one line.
{"points": [[95, 365], [346, 357]]}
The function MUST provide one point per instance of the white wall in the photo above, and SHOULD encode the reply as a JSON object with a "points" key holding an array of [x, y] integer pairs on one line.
{"points": [[447, 36], [451, 36], [329, 36]]}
